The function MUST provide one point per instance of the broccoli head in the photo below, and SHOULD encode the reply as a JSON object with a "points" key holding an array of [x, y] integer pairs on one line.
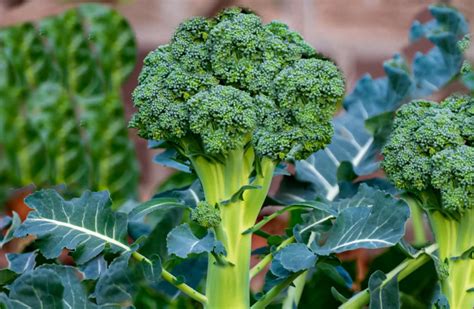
{"points": [[206, 215], [232, 81], [431, 152]]}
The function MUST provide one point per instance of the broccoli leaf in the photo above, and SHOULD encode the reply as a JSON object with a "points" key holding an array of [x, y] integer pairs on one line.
{"points": [[74, 295], [190, 195], [182, 242], [371, 219], [115, 285], [168, 158], [119, 282], [94, 268], [14, 224], [86, 224], [239, 195], [21, 262], [292, 258], [383, 295], [41, 287]]}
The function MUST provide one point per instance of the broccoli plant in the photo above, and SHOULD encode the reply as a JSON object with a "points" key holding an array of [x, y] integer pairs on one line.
{"points": [[235, 97], [232, 100], [430, 155]]}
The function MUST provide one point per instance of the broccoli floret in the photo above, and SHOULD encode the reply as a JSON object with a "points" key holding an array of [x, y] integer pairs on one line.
{"points": [[189, 44], [430, 154], [235, 59], [206, 215], [463, 106], [453, 175], [222, 116]]}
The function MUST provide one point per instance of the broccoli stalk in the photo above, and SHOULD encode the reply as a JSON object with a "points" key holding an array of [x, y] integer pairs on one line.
{"points": [[236, 97], [221, 180], [456, 241], [430, 154]]}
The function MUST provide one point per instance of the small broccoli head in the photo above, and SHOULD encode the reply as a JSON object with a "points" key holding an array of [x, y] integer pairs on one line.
{"points": [[453, 175], [206, 215], [431, 150], [231, 80]]}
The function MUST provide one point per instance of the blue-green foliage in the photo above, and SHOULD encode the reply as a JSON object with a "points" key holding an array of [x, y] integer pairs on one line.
{"points": [[370, 219], [362, 129], [230, 80]]}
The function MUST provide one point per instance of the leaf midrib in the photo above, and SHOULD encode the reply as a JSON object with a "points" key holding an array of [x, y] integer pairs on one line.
{"points": [[84, 230]]}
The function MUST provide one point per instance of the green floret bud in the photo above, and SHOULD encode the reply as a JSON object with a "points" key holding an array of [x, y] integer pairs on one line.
{"points": [[453, 175], [307, 94], [222, 116], [404, 165], [189, 43], [293, 45], [310, 82], [234, 46], [440, 132], [206, 215], [161, 120], [463, 106]]}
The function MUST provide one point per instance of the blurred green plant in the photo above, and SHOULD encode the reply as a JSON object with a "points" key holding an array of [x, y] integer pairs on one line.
{"points": [[61, 112]]}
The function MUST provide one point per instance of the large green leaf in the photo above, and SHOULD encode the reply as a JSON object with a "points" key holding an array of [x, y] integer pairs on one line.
{"points": [[190, 195], [94, 268], [370, 219], [87, 224], [49, 286], [13, 225], [156, 228], [115, 285]]}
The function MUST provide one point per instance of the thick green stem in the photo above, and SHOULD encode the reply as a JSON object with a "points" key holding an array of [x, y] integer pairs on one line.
{"points": [[454, 238], [228, 286], [419, 233], [401, 272]]}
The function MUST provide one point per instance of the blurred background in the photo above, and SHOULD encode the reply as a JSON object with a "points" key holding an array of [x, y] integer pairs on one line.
{"points": [[358, 34]]}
